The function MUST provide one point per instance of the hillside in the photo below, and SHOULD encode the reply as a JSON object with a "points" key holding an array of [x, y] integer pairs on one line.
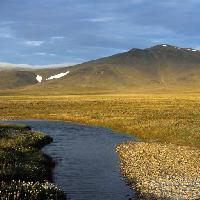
{"points": [[15, 79], [159, 67], [18, 76]]}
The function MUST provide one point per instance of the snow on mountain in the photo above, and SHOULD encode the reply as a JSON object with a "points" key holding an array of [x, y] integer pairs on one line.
{"points": [[58, 76], [39, 78]]}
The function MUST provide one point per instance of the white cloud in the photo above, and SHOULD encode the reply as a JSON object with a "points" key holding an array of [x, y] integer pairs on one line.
{"points": [[34, 43], [52, 54], [44, 54], [102, 19], [41, 54], [5, 23], [6, 32], [5, 35], [11, 65], [57, 37]]}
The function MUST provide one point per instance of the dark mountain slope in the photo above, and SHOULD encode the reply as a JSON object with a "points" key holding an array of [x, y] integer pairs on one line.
{"points": [[159, 67], [14, 79]]}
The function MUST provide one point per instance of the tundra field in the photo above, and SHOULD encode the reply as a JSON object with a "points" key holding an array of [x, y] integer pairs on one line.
{"points": [[166, 118], [155, 168]]}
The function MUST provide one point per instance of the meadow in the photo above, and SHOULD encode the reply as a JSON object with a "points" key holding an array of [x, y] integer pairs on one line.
{"points": [[25, 172], [166, 118]]}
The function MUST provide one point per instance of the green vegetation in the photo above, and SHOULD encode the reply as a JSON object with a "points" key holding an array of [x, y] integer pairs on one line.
{"points": [[24, 169], [167, 118]]}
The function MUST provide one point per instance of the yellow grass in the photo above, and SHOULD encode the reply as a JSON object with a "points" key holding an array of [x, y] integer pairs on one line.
{"points": [[171, 118]]}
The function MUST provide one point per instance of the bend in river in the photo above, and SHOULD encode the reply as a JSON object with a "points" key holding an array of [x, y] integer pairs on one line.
{"points": [[87, 165]]}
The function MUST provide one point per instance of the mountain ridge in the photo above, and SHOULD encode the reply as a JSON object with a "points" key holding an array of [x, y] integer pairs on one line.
{"points": [[160, 66]]}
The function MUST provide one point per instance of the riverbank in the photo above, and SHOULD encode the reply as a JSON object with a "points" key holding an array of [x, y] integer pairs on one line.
{"points": [[158, 171], [25, 171]]}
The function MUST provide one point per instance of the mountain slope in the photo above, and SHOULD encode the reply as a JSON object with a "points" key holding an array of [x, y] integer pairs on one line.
{"points": [[158, 67], [15, 79], [15, 76]]}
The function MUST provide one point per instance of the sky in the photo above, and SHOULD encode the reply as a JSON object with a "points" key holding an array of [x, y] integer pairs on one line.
{"points": [[41, 32]]}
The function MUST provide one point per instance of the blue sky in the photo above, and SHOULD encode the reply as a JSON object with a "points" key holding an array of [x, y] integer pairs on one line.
{"points": [[74, 31]]}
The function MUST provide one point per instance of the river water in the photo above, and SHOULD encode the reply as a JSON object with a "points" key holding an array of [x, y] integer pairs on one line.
{"points": [[87, 166]]}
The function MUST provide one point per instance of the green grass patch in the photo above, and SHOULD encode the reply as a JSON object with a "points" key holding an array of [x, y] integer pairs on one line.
{"points": [[24, 169]]}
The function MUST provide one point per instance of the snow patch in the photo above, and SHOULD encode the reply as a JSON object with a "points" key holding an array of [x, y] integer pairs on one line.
{"points": [[194, 50], [164, 45], [58, 76], [39, 78]]}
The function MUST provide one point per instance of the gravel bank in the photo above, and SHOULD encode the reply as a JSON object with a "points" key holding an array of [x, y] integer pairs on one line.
{"points": [[159, 171]]}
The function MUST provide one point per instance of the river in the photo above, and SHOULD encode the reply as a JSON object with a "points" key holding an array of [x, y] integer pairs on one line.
{"points": [[87, 167]]}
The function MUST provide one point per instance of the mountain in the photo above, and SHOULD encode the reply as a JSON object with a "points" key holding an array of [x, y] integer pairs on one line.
{"points": [[13, 76], [159, 67], [17, 76]]}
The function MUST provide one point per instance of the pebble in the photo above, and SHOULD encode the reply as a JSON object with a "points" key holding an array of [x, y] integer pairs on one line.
{"points": [[161, 171]]}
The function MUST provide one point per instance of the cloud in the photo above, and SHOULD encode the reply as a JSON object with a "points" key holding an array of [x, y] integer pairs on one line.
{"points": [[6, 32], [4, 23], [34, 43], [52, 54], [41, 54], [102, 19], [6, 35], [57, 37], [91, 29], [45, 54]]}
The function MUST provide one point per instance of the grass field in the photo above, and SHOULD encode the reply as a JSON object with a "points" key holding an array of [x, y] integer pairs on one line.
{"points": [[171, 118], [24, 169]]}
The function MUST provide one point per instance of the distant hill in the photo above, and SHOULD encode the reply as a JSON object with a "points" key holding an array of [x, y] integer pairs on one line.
{"points": [[18, 76], [159, 67]]}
